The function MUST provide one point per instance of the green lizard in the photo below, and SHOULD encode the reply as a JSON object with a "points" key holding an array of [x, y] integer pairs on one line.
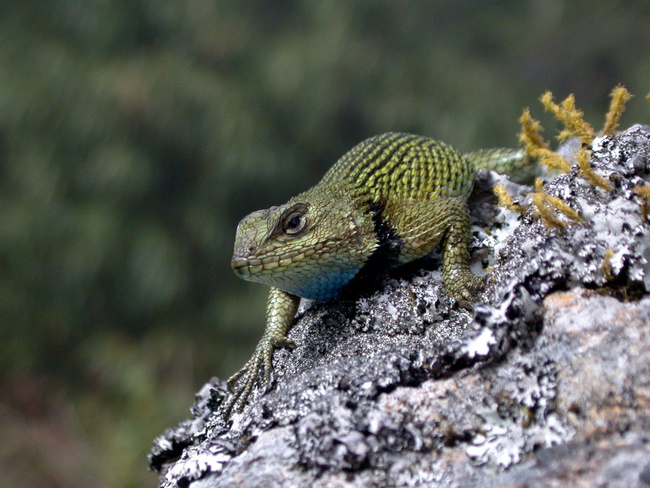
{"points": [[388, 201]]}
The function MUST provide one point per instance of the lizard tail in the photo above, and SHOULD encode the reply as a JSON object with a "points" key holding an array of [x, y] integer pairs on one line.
{"points": [[515, 163]]}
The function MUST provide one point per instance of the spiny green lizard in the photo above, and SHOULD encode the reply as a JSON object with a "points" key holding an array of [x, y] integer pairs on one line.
{"points": [[390, 200]]}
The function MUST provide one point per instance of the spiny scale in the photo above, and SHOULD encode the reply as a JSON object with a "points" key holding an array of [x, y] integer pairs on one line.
{"points": [[395, 165]]}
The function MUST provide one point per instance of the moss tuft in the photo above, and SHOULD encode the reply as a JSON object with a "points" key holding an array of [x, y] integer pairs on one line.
{"points": [[587, 172], [574, 126], [537, 147], [606, 267], [572, 118], [619, 97], [547, 205], [643, 191], [505, 200]]}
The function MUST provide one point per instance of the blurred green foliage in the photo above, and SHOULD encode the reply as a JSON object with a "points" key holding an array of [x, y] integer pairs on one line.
{"points": [[135, 135]]}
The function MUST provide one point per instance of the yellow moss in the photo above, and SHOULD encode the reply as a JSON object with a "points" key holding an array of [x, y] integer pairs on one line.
{"points": [[505, 200], [530, 133], [567, 113], [644, 192], [528, 417], [606, 267], [619, 97], [565, 134], [546, 205], [575, 126], [586, 171], [552, 159], [563, 207], [537, 147], [546, 213]]}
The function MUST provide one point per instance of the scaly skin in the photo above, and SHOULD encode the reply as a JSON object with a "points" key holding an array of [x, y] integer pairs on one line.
{"points": [[390, 200]]}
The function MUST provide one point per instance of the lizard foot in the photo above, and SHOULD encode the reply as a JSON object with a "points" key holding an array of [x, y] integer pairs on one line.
{"points": [[465, 287], [242, 382]]}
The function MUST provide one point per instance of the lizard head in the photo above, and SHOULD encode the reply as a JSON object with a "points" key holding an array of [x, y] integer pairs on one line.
{"points": [[308, 247]]}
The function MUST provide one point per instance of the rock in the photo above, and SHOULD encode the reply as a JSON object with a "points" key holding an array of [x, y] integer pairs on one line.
{"points": [[545, 383]]}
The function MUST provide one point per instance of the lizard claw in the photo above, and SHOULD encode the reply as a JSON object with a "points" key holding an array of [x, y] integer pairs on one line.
{"points": [[242, 382], [283, 343], [466, 289]]}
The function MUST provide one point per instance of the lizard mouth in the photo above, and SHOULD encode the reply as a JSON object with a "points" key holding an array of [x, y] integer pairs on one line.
{"points": [[249, 268], [254, 269], [241, 266]]}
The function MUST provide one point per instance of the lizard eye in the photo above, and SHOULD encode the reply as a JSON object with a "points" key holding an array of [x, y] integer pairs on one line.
{"points": [[294, 223]]}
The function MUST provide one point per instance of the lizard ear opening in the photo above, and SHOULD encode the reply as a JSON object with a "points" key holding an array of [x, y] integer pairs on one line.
{"points": [[295, 222]]}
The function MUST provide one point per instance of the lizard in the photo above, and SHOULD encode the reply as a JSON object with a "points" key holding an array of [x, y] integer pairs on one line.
{"points": [[390, 200]]}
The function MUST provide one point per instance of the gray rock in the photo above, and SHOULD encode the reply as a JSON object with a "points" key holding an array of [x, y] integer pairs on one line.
{"points": [[545, 383]]}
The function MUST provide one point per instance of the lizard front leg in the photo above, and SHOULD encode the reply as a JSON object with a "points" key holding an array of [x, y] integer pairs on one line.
{"points": [[281, 309], [461, 284], [421, 226]]}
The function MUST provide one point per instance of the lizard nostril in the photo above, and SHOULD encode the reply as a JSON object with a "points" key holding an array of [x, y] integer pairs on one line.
{"points": [[252, 249]]}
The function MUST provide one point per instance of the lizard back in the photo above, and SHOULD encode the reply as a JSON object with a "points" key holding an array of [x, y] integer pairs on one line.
{"points": [[396, 166]]}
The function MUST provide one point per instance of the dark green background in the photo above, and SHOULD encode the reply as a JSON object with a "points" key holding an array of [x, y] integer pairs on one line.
{"points": [[134, 136]]}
